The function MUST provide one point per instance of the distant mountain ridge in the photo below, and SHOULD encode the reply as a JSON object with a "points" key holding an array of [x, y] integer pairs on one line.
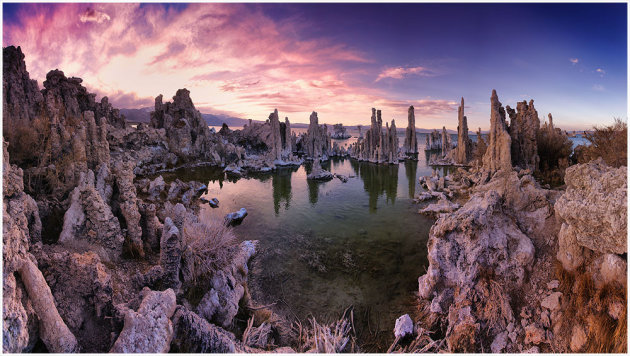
{"points": [[144, 115]]}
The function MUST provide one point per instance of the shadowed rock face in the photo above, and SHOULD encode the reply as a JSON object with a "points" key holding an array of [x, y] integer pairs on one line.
{"points": [[497, 156], [524, 126]]}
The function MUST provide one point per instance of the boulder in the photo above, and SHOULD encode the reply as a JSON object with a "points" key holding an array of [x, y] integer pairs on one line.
{"points": [[236, 217], [149, 329]]}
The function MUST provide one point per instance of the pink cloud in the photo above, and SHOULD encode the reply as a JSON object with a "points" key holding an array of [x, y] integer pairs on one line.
{"points": [[401, 72], [232, 57]]}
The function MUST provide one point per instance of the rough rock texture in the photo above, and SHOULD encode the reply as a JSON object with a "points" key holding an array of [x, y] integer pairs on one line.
{"points": [[90, 219], [149, 329], [464, 145], [480, 257], [318, 173], [410, 147], [377, 146], [498, 154], [82, 289], [193, 334], [52, 329], [316, 141], [524, 125], [187, 133], [220, 303], [403, 326], [594, 207], [433, 141], [339, 132], [171, 254], [127, 202]]}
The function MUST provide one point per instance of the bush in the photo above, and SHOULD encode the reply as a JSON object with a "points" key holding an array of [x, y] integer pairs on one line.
{"points": [[208, 247], [554, 149], [609, 143]]}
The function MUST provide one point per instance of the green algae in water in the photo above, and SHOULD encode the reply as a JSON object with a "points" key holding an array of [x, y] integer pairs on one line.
{"points": [[327, 246]]}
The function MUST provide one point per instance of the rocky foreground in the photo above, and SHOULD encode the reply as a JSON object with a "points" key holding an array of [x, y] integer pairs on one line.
{"points": [[101, 254], [520, 268]]}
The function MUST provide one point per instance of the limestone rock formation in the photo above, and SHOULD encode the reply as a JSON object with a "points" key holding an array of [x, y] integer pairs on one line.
{"points": [[433, 141], [410, 147], [187, 133], [594, 212], [193, 334], [318, 173], [463, 154], [498, 154], [221, 303], [481, 255], [82, 288], [149, 329], [90, 220], [377, 146], [316, 141], [127, 202], [339, 132], [524, 126], [171, 253]]}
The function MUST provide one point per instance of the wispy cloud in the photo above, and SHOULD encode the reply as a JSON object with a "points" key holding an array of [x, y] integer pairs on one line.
{"points": [[598, 87], [574, 60], [232, 57], [601, 72], [401, 72]]}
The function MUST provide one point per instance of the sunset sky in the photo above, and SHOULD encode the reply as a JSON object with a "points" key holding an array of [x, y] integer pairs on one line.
{"points": [[338, 59]]}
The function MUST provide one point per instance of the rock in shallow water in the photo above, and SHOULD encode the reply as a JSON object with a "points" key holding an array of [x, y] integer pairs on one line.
{"points": [[236, 217]]}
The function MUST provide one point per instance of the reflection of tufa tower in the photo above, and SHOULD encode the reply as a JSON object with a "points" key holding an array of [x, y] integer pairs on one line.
{"points": [[281, 185]]}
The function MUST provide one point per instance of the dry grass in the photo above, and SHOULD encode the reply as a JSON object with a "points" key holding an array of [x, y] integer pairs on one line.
{"points": [[585, 305], [333, 338], [608, 142], [209, 247]]}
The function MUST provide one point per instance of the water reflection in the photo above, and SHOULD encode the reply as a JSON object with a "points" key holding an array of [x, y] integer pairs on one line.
{"points": [[281, 186], [378, 180], [411, 169]]}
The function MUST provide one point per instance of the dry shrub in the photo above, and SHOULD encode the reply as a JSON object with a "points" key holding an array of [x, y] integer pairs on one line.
{"points": [[554, 149], [209, 247], [583, 304], [332, 338], [480, 149], [609, 143], [28, 142]]}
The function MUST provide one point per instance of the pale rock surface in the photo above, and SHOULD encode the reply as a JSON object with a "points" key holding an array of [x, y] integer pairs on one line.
{"points": [[403, 327], [90, 219], [149, 329], [595, 206]]}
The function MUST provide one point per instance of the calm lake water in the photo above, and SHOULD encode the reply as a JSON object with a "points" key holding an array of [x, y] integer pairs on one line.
{"points": [[327, 246]]}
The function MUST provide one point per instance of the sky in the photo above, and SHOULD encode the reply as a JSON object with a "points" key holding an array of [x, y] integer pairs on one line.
{"points": [[340, 60]]}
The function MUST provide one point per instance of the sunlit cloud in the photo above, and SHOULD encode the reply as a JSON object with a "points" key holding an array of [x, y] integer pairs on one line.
{"points": [[401, 72], [600, 71], [232, 57], [574, 60], [91, 15]]}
